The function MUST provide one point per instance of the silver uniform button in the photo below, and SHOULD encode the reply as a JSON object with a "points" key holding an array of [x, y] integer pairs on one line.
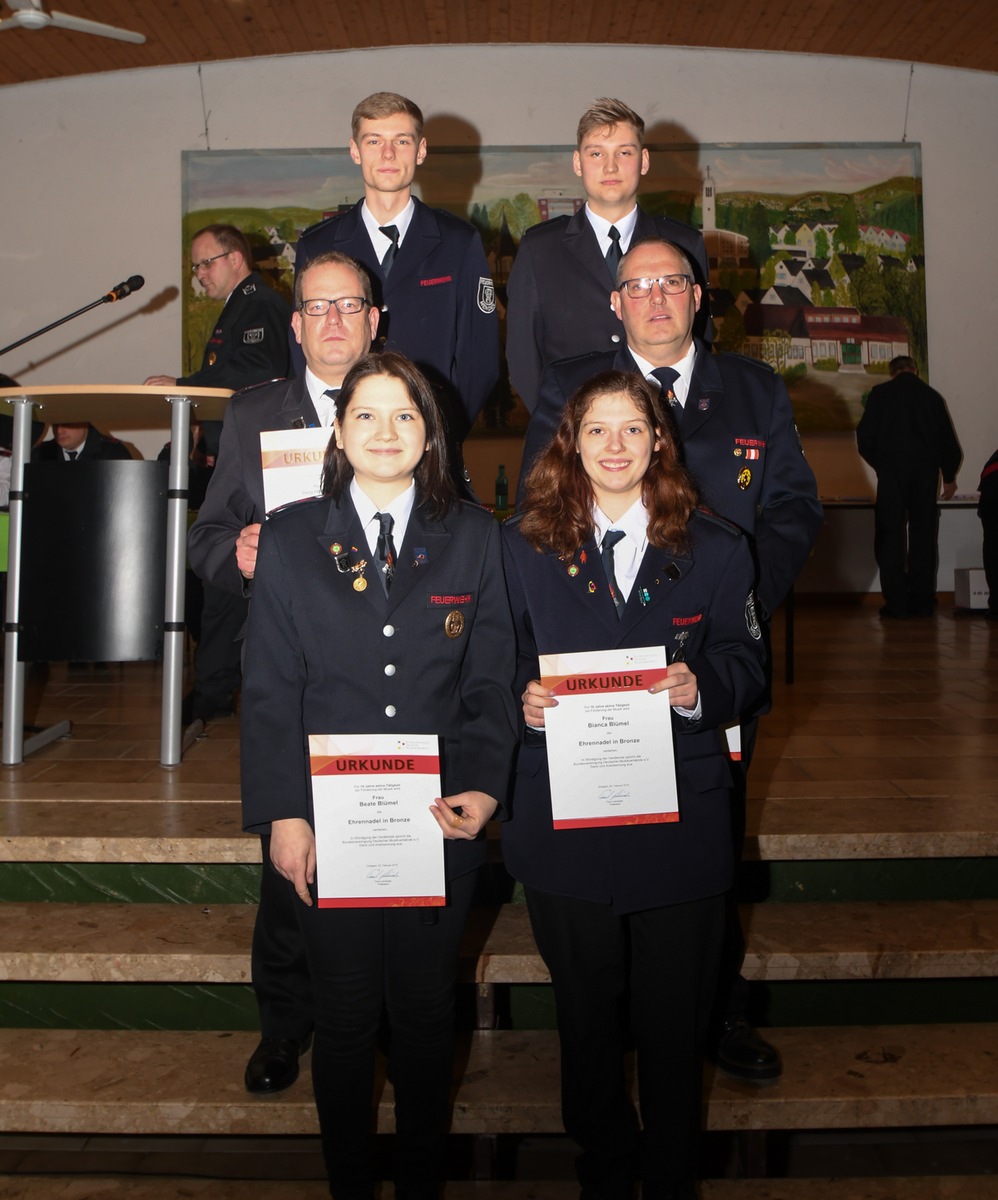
{"points": [[390, 710], [389, 631], [390, 669], [615, 337]]}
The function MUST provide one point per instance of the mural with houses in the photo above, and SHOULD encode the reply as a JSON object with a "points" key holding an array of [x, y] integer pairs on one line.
{"points": [[817, 260]]}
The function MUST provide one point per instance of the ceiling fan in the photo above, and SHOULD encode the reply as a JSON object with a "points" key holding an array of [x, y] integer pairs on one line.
{"points": [[29, 14]]}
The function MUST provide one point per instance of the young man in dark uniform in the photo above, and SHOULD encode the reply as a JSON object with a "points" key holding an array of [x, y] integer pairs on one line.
{"points": [[427, 267], [564, 269], [248, 346]]}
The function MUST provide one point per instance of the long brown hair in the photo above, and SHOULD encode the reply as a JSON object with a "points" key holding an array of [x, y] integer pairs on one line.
{"points": [[558, 509], [434, 488]]}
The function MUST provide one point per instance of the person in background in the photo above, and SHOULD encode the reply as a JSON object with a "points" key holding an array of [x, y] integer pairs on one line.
{"points": [[248, 346], [630, 917], [987, 510], [907, 437], [79, 442], [380, 608]]}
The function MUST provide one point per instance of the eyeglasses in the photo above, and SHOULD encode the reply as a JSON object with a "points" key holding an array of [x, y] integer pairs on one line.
{"points": [[671, 285], [346, 306], [205, 263]]}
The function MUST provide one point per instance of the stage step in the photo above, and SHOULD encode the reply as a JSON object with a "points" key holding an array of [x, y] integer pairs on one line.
{"points": [[968, 1187], [128, 1082], [187, 943], [134, 824]]}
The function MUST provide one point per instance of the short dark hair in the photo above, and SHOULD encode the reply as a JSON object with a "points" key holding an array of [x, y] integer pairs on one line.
{"points": [[434, 487], [343, 260], [558, 506], [231, 239], [607, 112], [903, 362], [379, 105]]}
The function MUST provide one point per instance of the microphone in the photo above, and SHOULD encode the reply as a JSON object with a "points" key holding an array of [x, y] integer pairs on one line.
{"points": [[132, 284]]}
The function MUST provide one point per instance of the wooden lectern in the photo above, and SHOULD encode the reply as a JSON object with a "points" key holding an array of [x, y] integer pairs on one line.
{"points": [[126, 407]]}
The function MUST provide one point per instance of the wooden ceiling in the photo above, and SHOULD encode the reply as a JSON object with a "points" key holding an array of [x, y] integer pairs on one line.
{"points": [[952, 33]]}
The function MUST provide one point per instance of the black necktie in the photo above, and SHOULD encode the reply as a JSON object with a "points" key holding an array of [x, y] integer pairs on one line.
{"points": [[71, 455], [332, 393], [666, 377], [613, 254], [386, 550], [610, 539], [390, 231]]}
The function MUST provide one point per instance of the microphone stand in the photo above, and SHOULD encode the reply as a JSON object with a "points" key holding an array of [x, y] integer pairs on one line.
{"points": [[108, 298]]}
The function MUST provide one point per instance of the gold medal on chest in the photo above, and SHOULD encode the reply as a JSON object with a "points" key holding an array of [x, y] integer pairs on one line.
{"points": [[454, 623], [359, 584]]}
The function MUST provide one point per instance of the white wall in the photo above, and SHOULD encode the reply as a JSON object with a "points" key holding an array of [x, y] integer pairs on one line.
{"points": [[90, 190]]}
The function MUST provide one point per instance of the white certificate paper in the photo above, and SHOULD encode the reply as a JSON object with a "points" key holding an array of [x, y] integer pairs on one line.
{"points": [[609, 741], [376, 842], [292, 464]]}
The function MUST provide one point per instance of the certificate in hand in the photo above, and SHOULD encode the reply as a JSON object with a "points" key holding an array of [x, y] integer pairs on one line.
{"points": [[292, 464], [609, 741], [376, 842]]}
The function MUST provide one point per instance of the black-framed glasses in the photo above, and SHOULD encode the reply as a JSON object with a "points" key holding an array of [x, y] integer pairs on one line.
{"points": [[206, 262], [671, 285], [346, 306]]}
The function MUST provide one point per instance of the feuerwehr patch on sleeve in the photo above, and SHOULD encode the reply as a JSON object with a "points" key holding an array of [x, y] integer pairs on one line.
{"points": [[486, 294], [252, 336], [752, 617]]}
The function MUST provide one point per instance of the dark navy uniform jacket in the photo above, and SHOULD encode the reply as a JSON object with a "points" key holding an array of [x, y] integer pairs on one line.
{"points": [[441, 308], [250, 341], [98, 446], [703, 594], [235, 494], [322, 657], [740, 442], [559, 294]]}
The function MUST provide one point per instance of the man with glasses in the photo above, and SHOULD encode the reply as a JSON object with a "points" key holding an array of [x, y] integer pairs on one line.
{"points": [[249, 342], [565, 267], [427, 267], [248, 346], [736, 424], [334, 322]]}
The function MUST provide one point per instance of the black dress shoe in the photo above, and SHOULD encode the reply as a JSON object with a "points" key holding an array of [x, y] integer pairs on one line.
{"points": [[273, 1065], [889, 613], [741, 1053]]}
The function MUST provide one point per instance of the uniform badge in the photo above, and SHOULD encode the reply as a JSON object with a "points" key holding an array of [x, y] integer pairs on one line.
{"points": [[738, 452], [211, 359], [486, 294], [703, 403], [744, 478], [253, 337], [249, 289], [359, 584], [752, 617], [573, 570], [335, 548], [454, 623], [592, 588]]}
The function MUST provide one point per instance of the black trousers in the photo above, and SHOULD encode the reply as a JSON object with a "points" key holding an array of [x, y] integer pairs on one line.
{"points": [[906, 535], [988, 513], [365, 962], [654, 971], [279, 964], [217, 657]]}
